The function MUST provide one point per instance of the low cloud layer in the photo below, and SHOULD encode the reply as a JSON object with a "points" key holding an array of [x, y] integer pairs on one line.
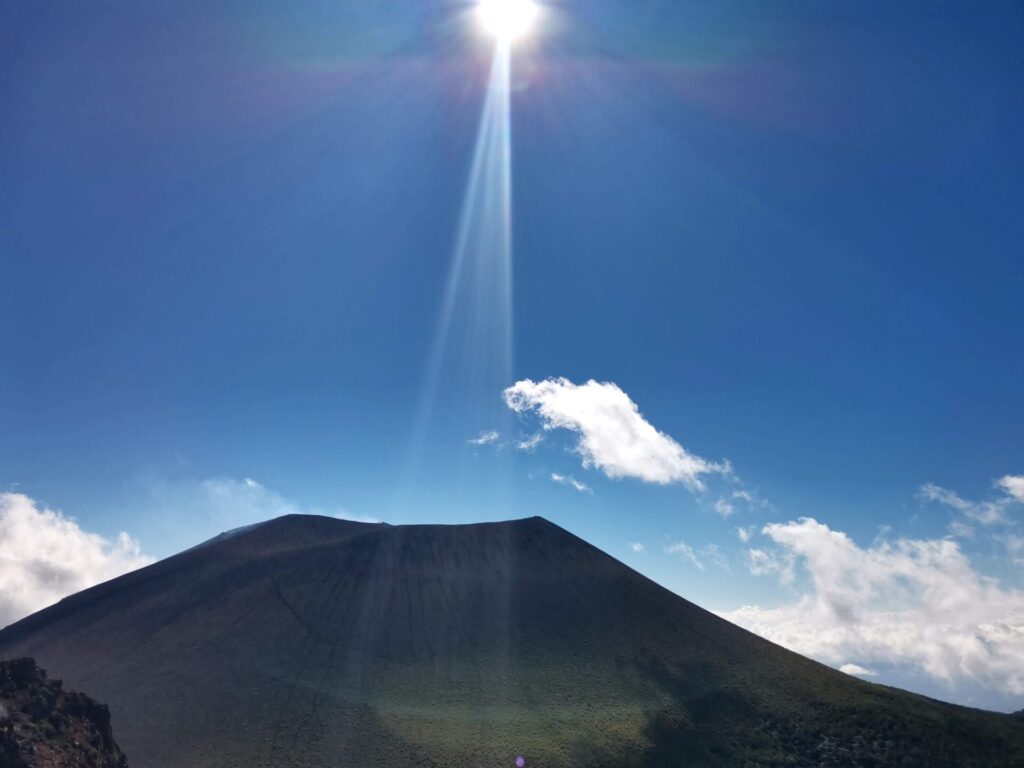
{"points": [[902, 602], [45, 556], [614, 437]]}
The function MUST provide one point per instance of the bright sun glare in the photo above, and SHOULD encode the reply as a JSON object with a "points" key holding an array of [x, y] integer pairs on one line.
{"points": [[507, 20]]}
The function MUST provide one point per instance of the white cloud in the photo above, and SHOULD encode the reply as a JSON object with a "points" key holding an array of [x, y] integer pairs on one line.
{"points": [[763, 563], [489, 437], [637, 548], [613, 435], [905, 602], [724, 508], [984, 512], [45, 556], [1013, 485], [685, 551], [570, 481], [744, 534], [857, 669], [529, 444]]}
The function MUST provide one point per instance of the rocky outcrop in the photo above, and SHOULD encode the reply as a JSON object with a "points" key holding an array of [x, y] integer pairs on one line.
{"points": [[44, 726]]}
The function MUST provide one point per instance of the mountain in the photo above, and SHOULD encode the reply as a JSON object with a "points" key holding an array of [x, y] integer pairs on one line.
{"points": [[44, 726], [309, 641]]}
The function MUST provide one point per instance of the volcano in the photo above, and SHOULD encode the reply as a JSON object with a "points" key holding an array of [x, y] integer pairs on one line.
{"points": [[309, 641]]}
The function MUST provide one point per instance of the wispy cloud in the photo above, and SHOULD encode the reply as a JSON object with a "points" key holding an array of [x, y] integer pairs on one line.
{"points": [[903, 602], [529, 444], [46, 556], [637, 548], [713, 554], [752, 499], [613, 435], [984, 512], [489, 437], [961, 530], [685, 552], [251, 501], [570, 481], [225, 503]]}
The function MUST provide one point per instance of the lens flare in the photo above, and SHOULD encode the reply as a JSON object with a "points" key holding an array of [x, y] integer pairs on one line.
{"points": [[507, 20]]}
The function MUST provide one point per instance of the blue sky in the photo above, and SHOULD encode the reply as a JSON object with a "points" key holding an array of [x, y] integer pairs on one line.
{"points": [[791, 235]]}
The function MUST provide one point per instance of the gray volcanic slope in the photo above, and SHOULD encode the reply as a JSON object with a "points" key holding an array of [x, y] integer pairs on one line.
{"points": [[310, 641]]}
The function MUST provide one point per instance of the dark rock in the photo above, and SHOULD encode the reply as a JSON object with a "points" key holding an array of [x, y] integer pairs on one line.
{"points": [[42, 726]]}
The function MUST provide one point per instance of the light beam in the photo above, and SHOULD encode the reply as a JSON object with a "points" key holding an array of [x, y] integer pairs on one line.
{"points": [[470, 361]]}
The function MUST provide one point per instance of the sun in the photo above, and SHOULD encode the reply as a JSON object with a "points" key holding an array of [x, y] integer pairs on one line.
{"points": [[507, 20]]}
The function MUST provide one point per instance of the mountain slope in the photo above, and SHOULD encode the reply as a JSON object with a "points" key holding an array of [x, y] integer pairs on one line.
{"points": [[309, 641]]}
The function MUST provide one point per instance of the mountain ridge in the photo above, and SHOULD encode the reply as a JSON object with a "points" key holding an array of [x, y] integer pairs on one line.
{"points": [[307, 640]]}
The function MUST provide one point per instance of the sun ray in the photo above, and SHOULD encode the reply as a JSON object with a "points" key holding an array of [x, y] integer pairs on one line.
{"points": [[470, 360]]}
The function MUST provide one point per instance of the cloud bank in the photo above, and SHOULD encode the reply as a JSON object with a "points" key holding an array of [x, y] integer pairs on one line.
{"points": [[45, 556], [903, 602], [614, 437]]}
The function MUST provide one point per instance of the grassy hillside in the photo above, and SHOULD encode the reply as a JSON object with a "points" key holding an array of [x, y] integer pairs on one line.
{"points": [[309, 641]]}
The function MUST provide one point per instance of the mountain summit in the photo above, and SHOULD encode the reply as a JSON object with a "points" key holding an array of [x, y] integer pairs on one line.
{"points": [[309, 641]]}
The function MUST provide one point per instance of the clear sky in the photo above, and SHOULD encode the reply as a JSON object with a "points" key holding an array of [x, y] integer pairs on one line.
{"points": [[789, 233]]}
